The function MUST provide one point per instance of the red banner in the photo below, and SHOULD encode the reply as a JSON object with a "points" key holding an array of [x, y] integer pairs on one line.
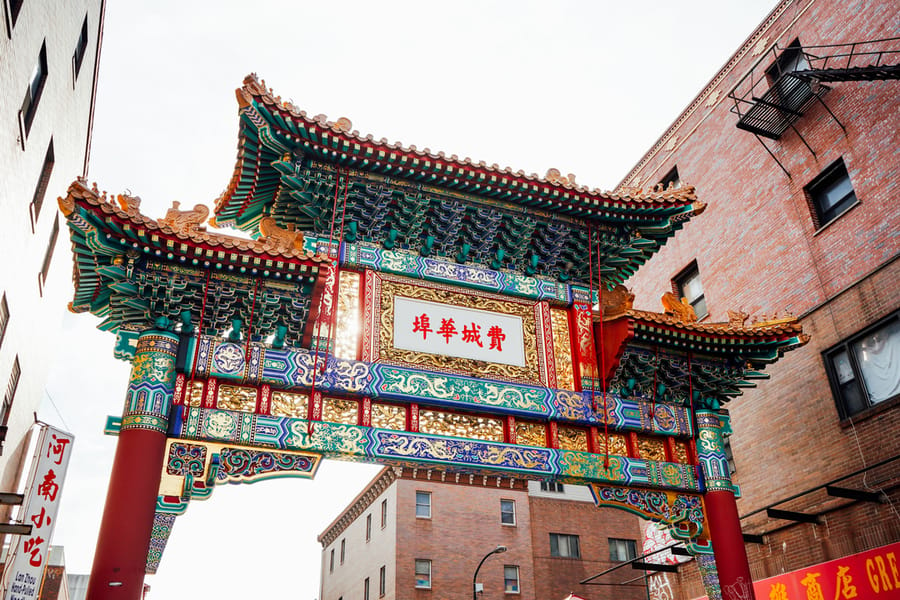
{"points": [[870, 575]]}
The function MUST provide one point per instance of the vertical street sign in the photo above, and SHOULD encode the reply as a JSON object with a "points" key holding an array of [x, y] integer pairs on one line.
{"points": [[28, 554]]}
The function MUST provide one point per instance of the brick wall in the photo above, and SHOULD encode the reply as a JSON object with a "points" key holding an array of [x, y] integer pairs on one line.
{"points": [[464, 526], [758, 249], [556, 577]]}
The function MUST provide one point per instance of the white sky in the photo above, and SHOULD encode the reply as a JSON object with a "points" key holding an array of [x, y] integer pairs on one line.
{"points": [[586, 87]]}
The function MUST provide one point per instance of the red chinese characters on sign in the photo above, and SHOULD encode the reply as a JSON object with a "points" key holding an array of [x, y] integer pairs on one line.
{"points": [[48, 488], [870, 575], [56, 448], [29, 559], [422, 324], [470, 334]]}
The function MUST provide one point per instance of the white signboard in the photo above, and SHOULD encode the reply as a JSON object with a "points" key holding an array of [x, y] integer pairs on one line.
{"points": [[450, 330], [29, 553]]}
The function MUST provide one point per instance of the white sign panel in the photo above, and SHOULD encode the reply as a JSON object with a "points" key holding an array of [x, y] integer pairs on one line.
{"points": [[29, 553], [455, 331]]}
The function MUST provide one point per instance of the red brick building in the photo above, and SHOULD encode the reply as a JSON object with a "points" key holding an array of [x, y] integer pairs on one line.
{"points": [[795, 147], [416, 534]]}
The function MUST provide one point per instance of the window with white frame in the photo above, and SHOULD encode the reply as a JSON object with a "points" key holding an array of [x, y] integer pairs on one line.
{"points": [[368, 527], [382, 581], [508, 512], [423, 505], [423, 573], [511, 579], [383, 513]]}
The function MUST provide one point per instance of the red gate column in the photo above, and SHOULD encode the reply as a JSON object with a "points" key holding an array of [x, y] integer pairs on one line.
{"points": [[721, 510], [124, 539]]}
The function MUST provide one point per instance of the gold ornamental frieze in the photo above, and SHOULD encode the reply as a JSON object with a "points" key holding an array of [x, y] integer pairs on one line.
{"points": [[393, 288]]}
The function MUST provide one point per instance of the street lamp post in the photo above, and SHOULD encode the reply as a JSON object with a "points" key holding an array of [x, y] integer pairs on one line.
{"points": [[497, 550]]}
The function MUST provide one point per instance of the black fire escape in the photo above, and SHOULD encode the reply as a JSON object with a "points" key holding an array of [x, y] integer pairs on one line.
{"points": [[784, 83]]}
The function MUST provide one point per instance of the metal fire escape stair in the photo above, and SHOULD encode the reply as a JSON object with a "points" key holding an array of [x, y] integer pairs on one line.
{"points": [[785, 82]]}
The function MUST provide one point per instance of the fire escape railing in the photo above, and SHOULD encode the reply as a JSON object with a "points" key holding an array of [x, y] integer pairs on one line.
{"points": [[785, 82]]}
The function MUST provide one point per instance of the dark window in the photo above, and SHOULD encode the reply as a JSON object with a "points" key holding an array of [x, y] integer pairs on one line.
{"points": [[831, 194], [564, 545], [729, 454], [511, 579], [864, 370], [41, 189], [368, 527], [423, 573], [621, 550], [48, 256], [366, 589], [508, 512], [331, 562], [80, 48], [8, 400], [423, 505], [343, 549], [789, 91], [4, 318], [14, 7], [552, 486], [383, 513], [382, 580], [687, 285], [34, 90], [672, 179]]}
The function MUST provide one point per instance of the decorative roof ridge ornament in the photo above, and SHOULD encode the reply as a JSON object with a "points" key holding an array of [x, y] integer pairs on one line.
{"points": [[616, 302], [679, 308], [279, 239], [183, 224], [255, 88], [735, 325]]}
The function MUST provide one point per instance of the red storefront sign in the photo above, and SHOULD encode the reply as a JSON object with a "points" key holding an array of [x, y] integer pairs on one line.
{"points": [[870, 575]]}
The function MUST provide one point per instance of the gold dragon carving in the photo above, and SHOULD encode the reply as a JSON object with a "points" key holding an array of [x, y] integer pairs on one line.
{"points": [[181, 221], [279, 239], [679, 308]]}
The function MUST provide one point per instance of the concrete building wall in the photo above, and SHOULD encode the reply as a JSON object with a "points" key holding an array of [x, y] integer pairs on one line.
{"points": [[363, 555], [760, 249], [63, 115]]}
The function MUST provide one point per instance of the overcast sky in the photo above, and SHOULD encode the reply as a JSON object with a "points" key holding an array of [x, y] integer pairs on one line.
{"points": [[585, 87]]}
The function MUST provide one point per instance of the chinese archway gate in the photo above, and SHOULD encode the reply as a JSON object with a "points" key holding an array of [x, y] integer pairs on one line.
{"points": [[401, 307]]}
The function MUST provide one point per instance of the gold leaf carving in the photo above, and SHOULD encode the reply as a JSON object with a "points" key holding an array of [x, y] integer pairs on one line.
{"points": [[389, 416], [562, 348], [287, 404]]}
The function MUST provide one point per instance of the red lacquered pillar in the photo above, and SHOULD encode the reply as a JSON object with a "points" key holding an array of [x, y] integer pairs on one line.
{"points": [[124, 540], [721, 510]]}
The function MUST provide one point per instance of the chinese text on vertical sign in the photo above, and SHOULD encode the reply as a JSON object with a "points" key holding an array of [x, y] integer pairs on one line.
{"points": [[29, 553]]}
